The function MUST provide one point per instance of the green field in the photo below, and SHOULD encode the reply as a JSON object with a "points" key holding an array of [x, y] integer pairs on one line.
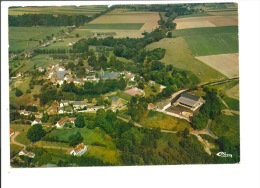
{"points": [[89, 10], [205, 31], [163, 121], [180, 56], [115, 26], [212, 44], [232, 103], [63, 44], [22, 38], [124, 96], [90, 136], [227, 126]]}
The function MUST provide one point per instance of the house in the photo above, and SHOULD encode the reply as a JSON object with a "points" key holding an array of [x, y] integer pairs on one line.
{"points": [[189, 101], [11, 132], [24, 152], [79, 150], [79, 105], [64, 103], [60, 124], [150, 106], [36, 121], [24, 112]]}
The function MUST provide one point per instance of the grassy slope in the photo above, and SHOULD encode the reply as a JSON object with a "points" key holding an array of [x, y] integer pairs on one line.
{"points": [[108, 153], [158, 119], [14, 149], [148, 90], [179, 55], [227, 126], [19, 36]]}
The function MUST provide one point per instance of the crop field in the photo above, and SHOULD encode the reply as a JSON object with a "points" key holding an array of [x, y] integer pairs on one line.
{"points": [[163, 121], [219, 43], [227, 64], [180, 56], [205, 31], [89, 10], [116, 26], [22, 38], [205, 21], [140, 21]]}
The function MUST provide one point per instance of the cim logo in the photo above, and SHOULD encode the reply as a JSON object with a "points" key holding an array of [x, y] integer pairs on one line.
{"points": [[223, 154]]}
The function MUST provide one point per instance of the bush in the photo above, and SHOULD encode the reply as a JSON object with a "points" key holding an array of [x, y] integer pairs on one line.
{"points": [[18, 93]]}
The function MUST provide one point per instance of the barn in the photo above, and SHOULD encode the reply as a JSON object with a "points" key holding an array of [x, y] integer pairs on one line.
{"points": [[190, 101]]}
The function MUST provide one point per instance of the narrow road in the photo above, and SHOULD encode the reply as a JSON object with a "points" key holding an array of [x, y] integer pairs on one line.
{"points": [[15, 142]]}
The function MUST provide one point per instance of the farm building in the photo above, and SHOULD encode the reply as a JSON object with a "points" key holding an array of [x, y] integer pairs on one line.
{"points": [[60, 124], [79, 150], [190, 101]]}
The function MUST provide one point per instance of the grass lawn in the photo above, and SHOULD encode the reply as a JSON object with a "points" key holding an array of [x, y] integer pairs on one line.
{"points": [[227, 126], [19, 37], [64, 44], [14, 149], [148, 90], [56, 155], [180, 56], [23, 129], [163, 121], [116, 26]]}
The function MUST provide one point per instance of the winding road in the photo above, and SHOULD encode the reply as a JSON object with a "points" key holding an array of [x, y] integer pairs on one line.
{"points": [[15, 142]]}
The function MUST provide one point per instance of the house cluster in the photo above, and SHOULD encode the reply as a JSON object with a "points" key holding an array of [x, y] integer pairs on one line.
{"points": [[79, 150], [79, 106], [24, 152]]}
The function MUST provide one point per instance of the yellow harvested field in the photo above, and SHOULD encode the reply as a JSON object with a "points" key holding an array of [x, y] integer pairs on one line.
{"points": [[233, 92], [205, 21], [226, 64]]}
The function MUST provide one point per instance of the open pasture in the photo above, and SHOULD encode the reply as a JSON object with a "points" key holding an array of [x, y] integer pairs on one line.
{"points": [[227, 64], [233, 92], [205, 21], [88, 10], [116, 26], [179, 55], [22, 38]]}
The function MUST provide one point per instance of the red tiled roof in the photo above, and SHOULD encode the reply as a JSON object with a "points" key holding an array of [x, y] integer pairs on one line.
{"points": [[63, 120], [79, 147]]}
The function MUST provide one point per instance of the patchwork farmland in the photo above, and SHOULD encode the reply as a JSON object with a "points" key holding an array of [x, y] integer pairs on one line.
{"points": [[125, 23]]}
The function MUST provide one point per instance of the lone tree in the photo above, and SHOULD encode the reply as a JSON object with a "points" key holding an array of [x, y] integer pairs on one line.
{"points": [[75, 139], [35, 133]]}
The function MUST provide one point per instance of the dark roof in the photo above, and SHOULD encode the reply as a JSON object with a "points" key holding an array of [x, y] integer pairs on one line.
{"points": [[79, 103], [188, 99], [190, 96], [114, 99]]}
